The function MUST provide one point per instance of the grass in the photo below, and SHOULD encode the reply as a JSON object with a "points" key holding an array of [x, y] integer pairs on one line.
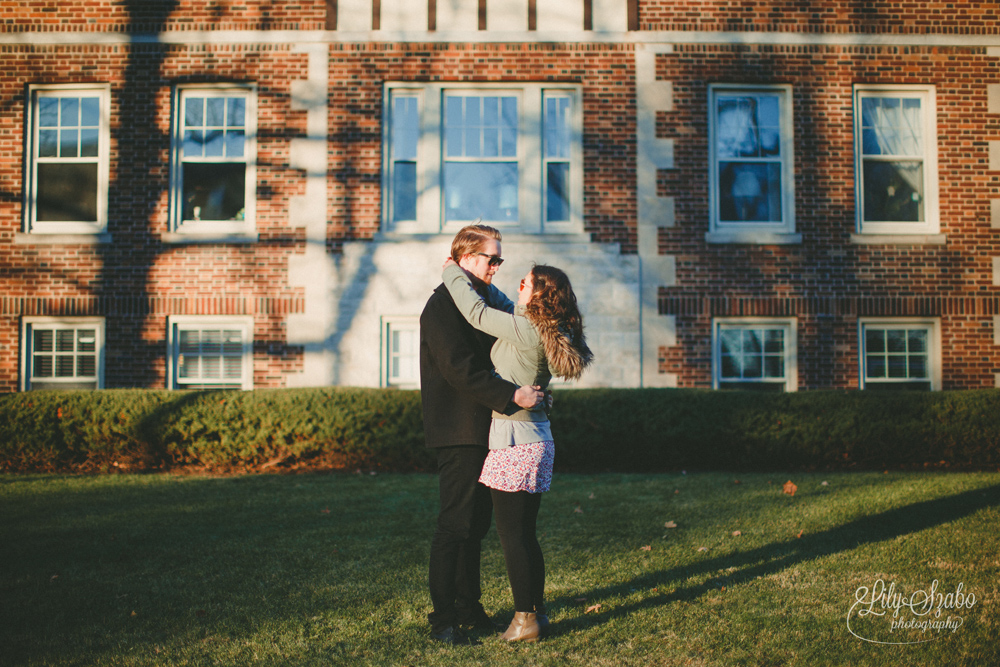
{"points": [[331, 569]]}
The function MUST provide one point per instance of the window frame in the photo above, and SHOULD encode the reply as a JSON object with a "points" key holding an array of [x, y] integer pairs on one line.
{"points": [[236, 228], [31, 224], [932, 222], [934, 361], [391, 324], [431, 158], [754, 232], [177, 323], [29, 324], [790, 328]]}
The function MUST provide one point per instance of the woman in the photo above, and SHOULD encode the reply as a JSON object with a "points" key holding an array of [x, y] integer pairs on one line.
{"points": [[541, 338]]}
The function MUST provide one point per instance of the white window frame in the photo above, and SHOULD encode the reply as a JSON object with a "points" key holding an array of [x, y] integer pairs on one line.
{"points": [[782, 232], [390, 325], [934, 364], [928, 96], [31, 223], [790, 328], [177, 323], [30, 324], [531, 162], [235, 228]]}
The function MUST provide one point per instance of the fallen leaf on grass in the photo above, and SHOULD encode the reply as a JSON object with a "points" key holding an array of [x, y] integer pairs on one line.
{"points": [[648, 547], [325, 511], [824, 484], [800, 533], [702, 548], [670, 524], [736, 533], [593, 607], [789, 488], [591, 496], [578, 511]]}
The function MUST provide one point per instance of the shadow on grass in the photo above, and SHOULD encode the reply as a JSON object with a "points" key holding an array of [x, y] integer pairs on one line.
{"points": [[773, 558]]}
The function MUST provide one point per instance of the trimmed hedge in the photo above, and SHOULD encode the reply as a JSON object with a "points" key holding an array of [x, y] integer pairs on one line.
{"points": [[595, 430]]}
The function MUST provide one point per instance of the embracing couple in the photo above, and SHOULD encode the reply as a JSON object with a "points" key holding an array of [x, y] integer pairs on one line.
{"points": [[484, 365]]}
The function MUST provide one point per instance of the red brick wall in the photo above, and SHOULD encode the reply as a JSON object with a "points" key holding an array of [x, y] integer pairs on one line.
{"points": [[156, 15], [977, 18], [137, 275], [956, 277]]}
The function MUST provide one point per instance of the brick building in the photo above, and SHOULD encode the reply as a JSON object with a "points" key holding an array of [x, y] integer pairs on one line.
{"points": [[776, 195]]}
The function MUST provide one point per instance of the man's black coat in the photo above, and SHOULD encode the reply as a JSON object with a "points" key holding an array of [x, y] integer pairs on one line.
{"points": [[457, 386]]}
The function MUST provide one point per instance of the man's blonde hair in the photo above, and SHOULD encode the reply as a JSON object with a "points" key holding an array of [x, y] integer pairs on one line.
{"points": [[470, 239]]}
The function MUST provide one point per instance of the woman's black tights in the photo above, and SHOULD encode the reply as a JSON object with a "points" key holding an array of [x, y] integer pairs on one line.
{"points": [[516, 515]]}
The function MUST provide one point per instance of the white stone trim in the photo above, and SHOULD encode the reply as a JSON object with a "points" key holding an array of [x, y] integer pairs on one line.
{"points": [[995, 213], [352, 34]]}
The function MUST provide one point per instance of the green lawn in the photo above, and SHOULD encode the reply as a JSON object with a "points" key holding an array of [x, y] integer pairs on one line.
{"points": [[331, 570]]}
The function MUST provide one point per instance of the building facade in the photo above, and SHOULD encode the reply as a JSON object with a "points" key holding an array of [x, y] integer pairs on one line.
{"points": [[776, 195]]}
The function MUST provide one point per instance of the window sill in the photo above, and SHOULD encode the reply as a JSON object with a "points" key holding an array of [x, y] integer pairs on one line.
{"points": [[41, 238], [899, 239], [755, 238], [208, 238]]}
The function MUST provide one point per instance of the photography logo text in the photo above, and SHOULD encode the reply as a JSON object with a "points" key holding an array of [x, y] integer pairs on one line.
{"points": [[886, 614]]}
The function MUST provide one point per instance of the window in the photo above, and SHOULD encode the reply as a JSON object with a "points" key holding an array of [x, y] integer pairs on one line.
{"points": [[63, 353], [896, 160], [755, 354], [210, 352], [510, 156], [899, 355], [401, 352], [68, 146], [213, 184], [752, 186]]}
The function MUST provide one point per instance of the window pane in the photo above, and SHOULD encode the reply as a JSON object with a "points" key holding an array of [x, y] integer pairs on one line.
{"points": [[774, 341], [194, 111], [65, 340], [67, 192], [43, 340], [41, 366], [736, 127], [233, 368], [215, 112], [774, 367], [232, 342], [752, 342], [86, 365], [897, 366], [918, 366], [48, 112], [730, 367], [189, 342], [48, 143], [236, 112], [481, 189], [875, 340], [404, 191], [69, 141], [69, 112], [211, 367], [895, 340], [750, 191], [557, 192], [893, 191], [194, 143], [90, 112], [235, 142], [874, 366], [214, 143], [86, 340], [557, 126], [89, 142], [891, 126], [752, 367], [405, 128], [64, 365], [917, 340], [214, 191]]}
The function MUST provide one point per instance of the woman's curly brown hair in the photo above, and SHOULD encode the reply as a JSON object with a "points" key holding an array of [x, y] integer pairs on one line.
{"points": [[554, 312]]}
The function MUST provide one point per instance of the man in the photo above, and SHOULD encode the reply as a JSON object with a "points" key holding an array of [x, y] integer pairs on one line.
{"points": [[459, 392]]}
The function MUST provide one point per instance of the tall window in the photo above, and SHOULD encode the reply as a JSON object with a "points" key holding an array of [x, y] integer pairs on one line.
{"points": [[752, 184], [210, 352], [896, 153], [214, 172], [899, 355], [401, 352], [755, 354], [63, 353], [67, 171], [509, 156]]}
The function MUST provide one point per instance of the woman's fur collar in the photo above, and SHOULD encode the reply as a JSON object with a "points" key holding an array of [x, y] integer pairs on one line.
{"points": [[567, 358]]}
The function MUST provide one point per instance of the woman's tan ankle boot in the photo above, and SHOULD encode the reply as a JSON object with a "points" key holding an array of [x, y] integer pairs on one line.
{"points": [[524, 628]]}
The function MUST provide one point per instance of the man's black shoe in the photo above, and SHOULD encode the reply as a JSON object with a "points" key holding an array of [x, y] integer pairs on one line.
{"points": [[454, 636], [482, 622]]}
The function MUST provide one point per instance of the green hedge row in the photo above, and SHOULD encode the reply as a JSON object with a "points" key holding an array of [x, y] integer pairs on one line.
{"points": [[595, 430]]}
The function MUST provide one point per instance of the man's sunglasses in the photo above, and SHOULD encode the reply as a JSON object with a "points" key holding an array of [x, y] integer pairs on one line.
{"points": [[495, 260]]}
